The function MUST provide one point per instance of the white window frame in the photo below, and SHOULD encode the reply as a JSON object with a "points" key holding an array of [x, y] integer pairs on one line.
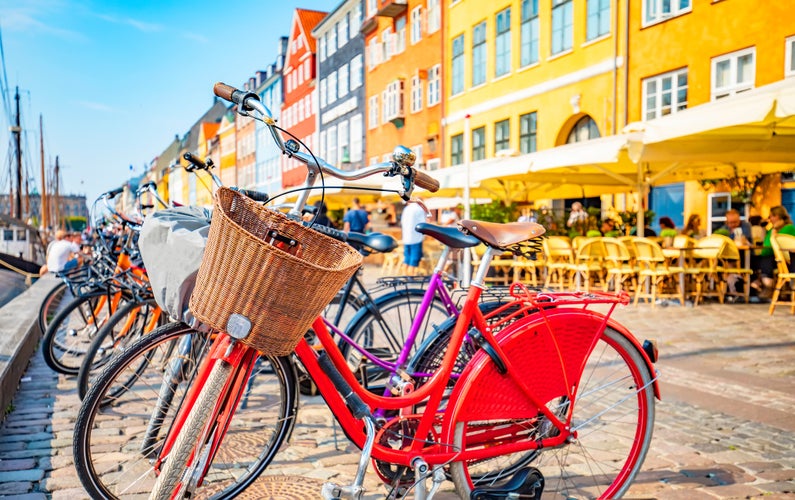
{"points": [[357, 138], [434, 16], [400, 35], [434, 84], [322, 90], [418, 159], [331, 43], [372, 112], [734, 87], [342, 31], [373, 53], [372, 8], [457, 68], [331, 88], [653, 10], [322, 47], [789, 58], [659, 109], [433, 164], [355, 22], [416, 25], [331, 145], [393, 100], [343, 140], [356, 72], [416, 94]]}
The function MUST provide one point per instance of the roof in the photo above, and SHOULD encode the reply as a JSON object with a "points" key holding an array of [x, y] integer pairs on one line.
{"points": [[210, 129], [307, 20]]}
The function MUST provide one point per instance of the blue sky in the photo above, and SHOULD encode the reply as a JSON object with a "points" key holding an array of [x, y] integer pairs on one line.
{"points": [[116, 80]]}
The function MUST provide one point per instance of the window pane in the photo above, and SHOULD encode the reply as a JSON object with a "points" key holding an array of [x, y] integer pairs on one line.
{"points": [[745, 73], [722, 69]]}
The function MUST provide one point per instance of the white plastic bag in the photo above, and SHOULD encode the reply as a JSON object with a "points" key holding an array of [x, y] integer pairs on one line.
{"points": [[172, 244]]}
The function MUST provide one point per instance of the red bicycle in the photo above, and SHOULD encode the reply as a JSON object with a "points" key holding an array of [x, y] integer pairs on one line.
{"points": [[557, 397]]}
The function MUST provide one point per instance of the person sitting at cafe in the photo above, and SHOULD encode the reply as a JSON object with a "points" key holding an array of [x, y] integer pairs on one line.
{"points": [[608, 228], [736, 228], [781, 223], [693, 227]]}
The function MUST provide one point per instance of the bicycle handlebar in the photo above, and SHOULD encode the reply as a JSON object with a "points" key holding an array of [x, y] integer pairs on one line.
{"points": [[249, 104]]}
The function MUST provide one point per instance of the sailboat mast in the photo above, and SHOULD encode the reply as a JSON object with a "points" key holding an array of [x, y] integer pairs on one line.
{"points": [[16, 130], [44, 201]]}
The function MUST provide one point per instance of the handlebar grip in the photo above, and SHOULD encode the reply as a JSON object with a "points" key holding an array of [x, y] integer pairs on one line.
{"points": [[115, 192], [425, 181], [195, 161], [254, 195], [225, 91]]}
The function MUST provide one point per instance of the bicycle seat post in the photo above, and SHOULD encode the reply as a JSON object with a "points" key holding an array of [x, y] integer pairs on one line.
{"points": [[442, 262], [483, 267]]}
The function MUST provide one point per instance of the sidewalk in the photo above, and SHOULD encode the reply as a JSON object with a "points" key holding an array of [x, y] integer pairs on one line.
{"points": [[724, 427]]}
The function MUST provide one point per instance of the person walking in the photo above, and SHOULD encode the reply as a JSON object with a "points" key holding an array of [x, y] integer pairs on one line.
{"points": [[413, 213], [356, 219]]}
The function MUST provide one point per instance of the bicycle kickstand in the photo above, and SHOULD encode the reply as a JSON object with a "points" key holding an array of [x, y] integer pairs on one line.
{"points": [[354, 491], [421, 474]]}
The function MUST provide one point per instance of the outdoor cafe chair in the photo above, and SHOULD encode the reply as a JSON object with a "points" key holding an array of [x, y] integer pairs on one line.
{"points": [[732, 271], [704, 268], [619, 266], [656, 280], [783, 250], [558, 257], [588, 265], [525, 270]]}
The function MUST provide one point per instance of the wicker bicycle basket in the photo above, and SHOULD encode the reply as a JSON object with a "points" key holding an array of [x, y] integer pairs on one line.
{"points": [[272, 270]]}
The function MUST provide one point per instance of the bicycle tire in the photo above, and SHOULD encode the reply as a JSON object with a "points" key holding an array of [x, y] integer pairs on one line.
{"points": [[109, 341], [69, 334], [51, 304], [614, 426], [176, 463], [381, 327], [115, 440]]}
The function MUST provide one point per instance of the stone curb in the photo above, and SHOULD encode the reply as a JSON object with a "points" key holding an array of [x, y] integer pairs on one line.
{"points": [[19, 335]]}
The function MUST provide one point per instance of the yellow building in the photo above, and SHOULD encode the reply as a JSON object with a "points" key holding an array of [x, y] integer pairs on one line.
{"points": [[691, 52], [530, 75]]}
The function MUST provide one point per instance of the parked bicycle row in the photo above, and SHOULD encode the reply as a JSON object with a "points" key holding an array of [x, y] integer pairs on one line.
{"points": [[507, 393]]}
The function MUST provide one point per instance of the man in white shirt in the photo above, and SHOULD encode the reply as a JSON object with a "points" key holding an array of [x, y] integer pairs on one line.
{"points": [[413, 214], [60, 253]]}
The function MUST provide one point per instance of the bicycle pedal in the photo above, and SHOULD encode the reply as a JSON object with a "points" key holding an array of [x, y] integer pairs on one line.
{"points": [[527, 483]]}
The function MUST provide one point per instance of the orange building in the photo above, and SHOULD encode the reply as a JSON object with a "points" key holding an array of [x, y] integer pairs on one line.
{"points": [[299, 107], [403, 78]]}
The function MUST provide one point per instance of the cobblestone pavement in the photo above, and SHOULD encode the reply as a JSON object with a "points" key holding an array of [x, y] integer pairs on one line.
{"points": [[725, 427]]}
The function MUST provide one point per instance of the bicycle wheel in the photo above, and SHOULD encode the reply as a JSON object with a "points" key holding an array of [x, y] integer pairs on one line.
{"points": [[130, 322], [70, 332], [130, 407], [613, 417], [52, 303], [382, 328]]}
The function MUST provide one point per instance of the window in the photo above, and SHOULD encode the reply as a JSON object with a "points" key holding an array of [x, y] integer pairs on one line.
{"points": [[585, 129], [356, 21], [343, 79], [457, 77], [528, 125], [372, 8], [433, 85], [331, 145], [529, 34], [418, 160], [479, 54], [502, 45], [357, 138], [457, 149], [322, 47], [598, 18], [660, 10], [393, 100], [400, 33], [331, 88], [416, 25], [387, 44], [562, 25], [416, 94], [323, 93], [479, 144], [331, 45], [356, 72], [733, 73], [344, 142], [502, 135], [434, 16], [372, 110], [323, 143], [789, 60], [664, 94], [342, 31], [433, 164], [373, 53]]}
